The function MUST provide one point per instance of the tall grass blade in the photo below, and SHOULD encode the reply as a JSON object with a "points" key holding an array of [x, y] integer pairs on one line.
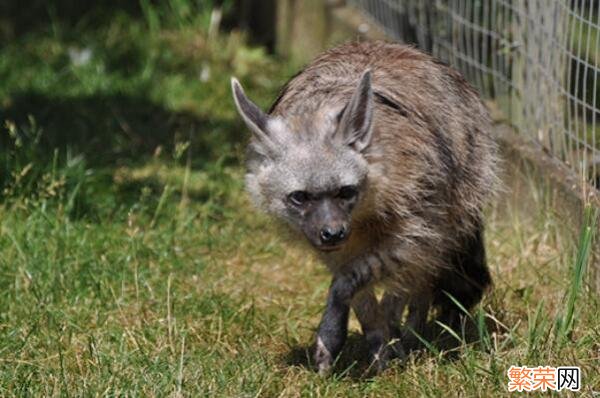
{"points": [[565, 322], [424, 341], [459, 305]]}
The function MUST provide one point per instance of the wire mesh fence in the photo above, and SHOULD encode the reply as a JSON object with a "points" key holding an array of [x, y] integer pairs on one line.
{"points": [[536, 59]]}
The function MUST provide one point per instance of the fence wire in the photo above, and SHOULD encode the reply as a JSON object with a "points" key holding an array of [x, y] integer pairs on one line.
{"points": [[536, 59]]}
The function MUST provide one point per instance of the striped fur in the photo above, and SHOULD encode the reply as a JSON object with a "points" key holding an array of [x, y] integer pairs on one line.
{"points": [[430, 167]]}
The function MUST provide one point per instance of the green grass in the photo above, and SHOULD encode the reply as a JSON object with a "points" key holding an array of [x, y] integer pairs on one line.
{"points": [[131, 262]]}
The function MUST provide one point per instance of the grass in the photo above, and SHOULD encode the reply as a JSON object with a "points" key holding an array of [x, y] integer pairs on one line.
{"points": [[131, 262]]}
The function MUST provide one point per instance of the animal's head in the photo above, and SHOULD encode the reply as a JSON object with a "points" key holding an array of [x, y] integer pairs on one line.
{"points": [[307, 167]]}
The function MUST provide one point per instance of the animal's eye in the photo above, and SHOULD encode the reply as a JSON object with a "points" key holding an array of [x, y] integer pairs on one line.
{"points": [[347, 192], [298, 198]]}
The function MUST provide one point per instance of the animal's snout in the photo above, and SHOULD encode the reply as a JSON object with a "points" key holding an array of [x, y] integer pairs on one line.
{"points": [[333, 235]]}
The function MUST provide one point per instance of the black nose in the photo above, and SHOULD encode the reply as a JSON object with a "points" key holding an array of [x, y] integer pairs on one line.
{"points": [[331, 236]]}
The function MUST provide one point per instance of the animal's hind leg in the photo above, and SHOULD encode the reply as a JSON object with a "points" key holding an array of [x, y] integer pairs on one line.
{"points": [[374, 326], [465, 281]]}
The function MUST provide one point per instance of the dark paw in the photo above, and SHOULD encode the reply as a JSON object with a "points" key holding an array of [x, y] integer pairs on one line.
{"points": [[379, 359], [381, 350]]}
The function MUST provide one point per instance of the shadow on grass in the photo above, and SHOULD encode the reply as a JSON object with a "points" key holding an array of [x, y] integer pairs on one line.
{"points": [[41, 15], [114, 131], [353, 361]]}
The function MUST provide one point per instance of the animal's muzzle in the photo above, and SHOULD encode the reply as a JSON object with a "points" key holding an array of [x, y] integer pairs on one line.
{"points": [[331, 236]]}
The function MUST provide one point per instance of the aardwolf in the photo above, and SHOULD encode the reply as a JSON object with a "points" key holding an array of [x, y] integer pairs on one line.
{"points": [[382, 158]]}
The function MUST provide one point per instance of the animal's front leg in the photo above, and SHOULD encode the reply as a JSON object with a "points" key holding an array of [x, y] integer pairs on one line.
{"points": [[393, 305], [333, 328], [416, 322]]}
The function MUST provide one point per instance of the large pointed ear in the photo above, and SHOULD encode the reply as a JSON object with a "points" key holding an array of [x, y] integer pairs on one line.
{"points": [[355, 127], [253, 116]]}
